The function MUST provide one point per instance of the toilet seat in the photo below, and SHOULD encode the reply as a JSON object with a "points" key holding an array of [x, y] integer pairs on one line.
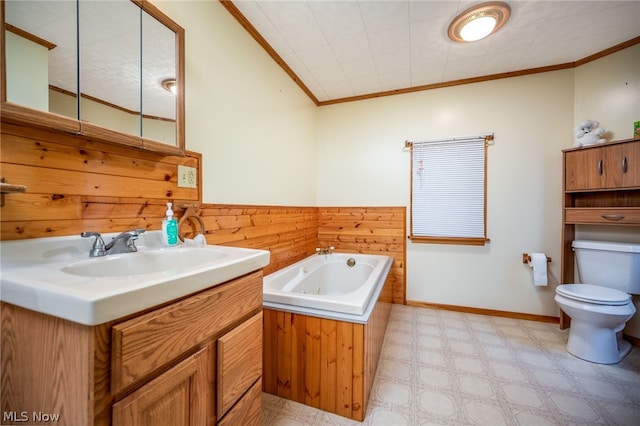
{"points": [[593, 294]]}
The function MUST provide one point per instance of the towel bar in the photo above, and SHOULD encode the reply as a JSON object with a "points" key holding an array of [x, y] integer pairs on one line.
{"points": [[190, 214]]}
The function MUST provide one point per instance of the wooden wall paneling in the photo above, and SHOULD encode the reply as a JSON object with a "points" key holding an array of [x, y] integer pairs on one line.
{"points": [[314, 358], [289, 233], [299, 356], [344, 369], [270, 351], [74, 184], [283, 322], [358, 409], [328, 365]]}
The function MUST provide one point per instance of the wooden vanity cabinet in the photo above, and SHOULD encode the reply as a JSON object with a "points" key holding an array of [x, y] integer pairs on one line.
{"points": [[601, 186], [194, 361]]}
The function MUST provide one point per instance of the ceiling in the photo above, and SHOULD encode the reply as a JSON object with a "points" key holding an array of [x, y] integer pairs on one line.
{"points": [[345, 49]]}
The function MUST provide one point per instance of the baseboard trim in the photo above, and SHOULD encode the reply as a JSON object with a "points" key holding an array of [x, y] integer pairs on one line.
{"points": [[481, 311]]}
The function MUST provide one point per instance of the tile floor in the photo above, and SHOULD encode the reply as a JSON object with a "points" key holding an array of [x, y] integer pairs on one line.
{"points": [[448, 368]]}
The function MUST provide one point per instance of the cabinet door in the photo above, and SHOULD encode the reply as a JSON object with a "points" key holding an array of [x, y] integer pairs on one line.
{"points": [[177, 397], [626, 162], [239, 362], [584, 169], [606, 167]]}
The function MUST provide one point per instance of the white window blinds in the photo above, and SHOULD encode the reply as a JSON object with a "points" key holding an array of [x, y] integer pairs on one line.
{"points": [[448, 185]]}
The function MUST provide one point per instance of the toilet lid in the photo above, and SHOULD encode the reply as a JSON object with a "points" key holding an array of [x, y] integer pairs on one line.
{"points": [[593, 294]]}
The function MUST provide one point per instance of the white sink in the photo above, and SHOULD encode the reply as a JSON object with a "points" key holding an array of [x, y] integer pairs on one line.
{"points": [[145, 262], [56, 276]]}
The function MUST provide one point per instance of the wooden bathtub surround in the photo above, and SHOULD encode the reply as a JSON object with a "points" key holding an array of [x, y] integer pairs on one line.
{"points": [[197, 358], [324, 363]]}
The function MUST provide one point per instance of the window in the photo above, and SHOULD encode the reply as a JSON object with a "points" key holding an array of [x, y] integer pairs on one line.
{"points": [[448, 190]]}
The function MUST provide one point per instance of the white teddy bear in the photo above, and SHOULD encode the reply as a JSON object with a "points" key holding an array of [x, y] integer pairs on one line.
{"points": [[588, 132]]}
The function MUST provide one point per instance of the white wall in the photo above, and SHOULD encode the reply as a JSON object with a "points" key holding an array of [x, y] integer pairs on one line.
{"points": [[361, 162], [608, 90], [253, 125], [27, 72]]}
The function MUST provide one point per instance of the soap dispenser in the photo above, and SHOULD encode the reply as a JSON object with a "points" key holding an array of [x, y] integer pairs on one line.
{"points": [[169, 228]]}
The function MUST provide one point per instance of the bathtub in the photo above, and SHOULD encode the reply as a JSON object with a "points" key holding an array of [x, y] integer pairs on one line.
{"points": [[326, 285], [324, 324]]}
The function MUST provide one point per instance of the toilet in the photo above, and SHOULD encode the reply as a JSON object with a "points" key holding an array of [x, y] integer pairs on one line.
{"points": [[600, 307]]}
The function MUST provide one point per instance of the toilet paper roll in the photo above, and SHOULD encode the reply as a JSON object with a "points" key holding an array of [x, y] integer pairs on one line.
{"points": [[538, 261]]}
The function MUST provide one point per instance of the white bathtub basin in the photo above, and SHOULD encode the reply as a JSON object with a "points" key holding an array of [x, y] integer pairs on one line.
{"points": [[327, 285], [55, 276]]}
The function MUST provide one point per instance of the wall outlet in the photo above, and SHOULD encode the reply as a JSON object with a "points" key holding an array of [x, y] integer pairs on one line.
{"points": [[187, 177]]}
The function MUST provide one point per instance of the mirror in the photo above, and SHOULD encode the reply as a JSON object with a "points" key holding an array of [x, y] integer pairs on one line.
{"points": [[41, 55], [127, 48], [110, 65], [159, 87]]}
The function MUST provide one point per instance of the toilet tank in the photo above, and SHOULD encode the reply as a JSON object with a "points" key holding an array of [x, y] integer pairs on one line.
{"points": [[609, 264]]}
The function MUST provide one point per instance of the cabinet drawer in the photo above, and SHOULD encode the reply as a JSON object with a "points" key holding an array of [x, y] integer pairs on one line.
{"points": [[248, 411], [239, 362], [617, 216], [148, 342]]}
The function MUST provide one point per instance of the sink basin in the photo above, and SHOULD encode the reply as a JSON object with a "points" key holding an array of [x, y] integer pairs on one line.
{"points": [[144, 262], [56, 276]]}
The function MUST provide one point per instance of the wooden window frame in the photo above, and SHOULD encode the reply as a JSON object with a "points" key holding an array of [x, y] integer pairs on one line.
{"points": [[472, 241]]}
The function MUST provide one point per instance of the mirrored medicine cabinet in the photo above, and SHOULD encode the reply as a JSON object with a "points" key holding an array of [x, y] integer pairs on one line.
{"points": [[109, 70]]}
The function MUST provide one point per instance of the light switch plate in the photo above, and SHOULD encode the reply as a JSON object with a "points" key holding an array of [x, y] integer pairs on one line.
{"points": [[187, 177]]}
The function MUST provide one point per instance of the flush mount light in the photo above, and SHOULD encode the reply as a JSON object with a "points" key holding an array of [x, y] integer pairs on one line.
{"points": [[170, 85], [479, 21]]}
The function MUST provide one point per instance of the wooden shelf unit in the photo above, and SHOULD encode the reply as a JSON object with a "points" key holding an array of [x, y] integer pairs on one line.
{"points": [[601, 186]]}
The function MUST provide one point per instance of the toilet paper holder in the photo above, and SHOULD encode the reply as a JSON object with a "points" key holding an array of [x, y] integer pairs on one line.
{"points": [[526, 258]]}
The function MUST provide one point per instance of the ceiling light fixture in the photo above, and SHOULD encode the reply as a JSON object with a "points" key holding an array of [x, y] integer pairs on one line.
{"points": [[479, 21], [170, 85]]}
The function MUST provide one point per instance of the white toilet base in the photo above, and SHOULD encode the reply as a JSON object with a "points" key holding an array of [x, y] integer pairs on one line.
{"points": [[596, 330], [599, 345]]}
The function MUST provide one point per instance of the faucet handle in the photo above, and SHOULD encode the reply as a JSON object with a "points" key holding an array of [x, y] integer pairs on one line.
{"points": [[98, 248]]}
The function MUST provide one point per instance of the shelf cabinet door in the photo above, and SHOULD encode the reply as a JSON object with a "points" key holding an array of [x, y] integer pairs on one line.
{"points": [[177, 397], [625, 159], [603, 167], [584, 169]]}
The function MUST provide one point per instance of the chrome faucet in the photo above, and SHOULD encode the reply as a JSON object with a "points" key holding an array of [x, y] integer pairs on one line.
{"points": [[122, 243], [327, 250]]}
